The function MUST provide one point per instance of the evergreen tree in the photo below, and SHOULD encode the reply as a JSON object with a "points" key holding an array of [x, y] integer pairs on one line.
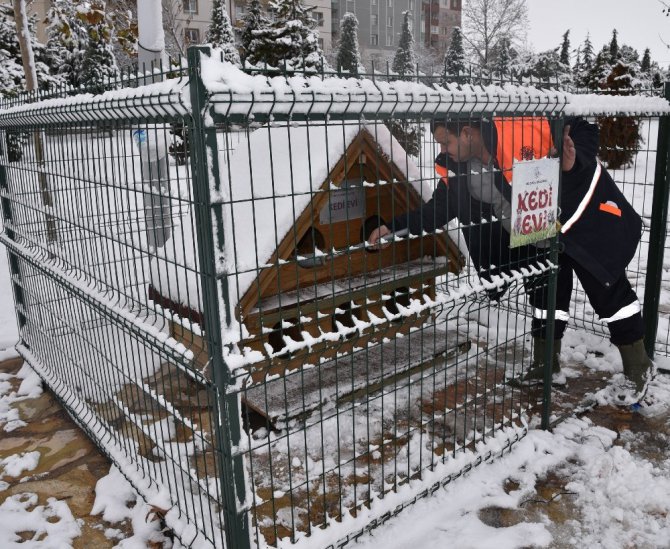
{"points": [[565, 49], [404, 62], [584, 64], [220, 33], [599, 70], [620, 136], [98, 65], [253, 24], [614, 48], [657, 80], [547, 65], [348, 54], [290, 41], [502, 56], [645, 66], [454, 60]]}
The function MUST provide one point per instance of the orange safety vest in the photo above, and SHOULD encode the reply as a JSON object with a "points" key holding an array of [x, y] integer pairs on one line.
{"points": [[519, 138]]}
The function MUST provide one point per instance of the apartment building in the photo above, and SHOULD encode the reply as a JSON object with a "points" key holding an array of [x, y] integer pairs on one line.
{"points": [[380, 24]]}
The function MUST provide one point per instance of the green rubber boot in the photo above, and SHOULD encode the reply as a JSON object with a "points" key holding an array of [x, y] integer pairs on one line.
{"points": [[638, 369]]}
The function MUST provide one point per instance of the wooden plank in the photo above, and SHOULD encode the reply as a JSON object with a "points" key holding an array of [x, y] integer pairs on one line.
{"points": [[355, 375]]}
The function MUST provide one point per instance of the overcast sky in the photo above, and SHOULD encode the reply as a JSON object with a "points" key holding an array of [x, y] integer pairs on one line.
{"points": [[641, 24]]}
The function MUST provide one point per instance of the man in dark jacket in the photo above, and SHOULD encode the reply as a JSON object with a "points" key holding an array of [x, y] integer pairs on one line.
{"points": [[599, 231]]}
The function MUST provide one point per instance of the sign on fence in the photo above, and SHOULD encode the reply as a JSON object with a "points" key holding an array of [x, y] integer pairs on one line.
{"points": [[534, 201]]}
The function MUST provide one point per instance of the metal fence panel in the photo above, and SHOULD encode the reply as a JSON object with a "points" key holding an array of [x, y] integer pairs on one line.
{"points": [[194, 279]]}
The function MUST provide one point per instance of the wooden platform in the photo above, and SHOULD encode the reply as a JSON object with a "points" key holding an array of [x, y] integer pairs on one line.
{"points": [[354, 375]]}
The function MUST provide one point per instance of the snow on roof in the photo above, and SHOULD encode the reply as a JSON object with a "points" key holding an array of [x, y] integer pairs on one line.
{"points": [[281, 169]]}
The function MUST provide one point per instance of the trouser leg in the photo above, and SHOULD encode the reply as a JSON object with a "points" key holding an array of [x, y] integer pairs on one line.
{"points": [[538, 297], [617, 305]]}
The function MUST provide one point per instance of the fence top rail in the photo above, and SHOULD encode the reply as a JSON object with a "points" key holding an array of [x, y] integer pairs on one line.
{"points": [[242, 97], [168, 99], [234, 92]]}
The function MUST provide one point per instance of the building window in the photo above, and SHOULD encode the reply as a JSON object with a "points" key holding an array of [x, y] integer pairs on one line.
{"points": [[390, 3], [192, 36], [239, 11], [321, 43], [455, 4], [434, 29], [445, 3], [373, 3], [374, 19], [350, 6], [190, 6], [374, 39], [318, 17], [411, 4], [389, 39], [389, 21]]}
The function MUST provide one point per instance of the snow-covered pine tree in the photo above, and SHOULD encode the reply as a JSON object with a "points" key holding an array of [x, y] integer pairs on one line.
{"points": [[564, 56], [600, 68], [67, 38], [404, 65], [614, 48], [253, 22], [291, 41], [502, 57], [220, 33], [404, 62], [454, 59], [348, 54], [645, 65], [548, 66], [620, 136], [584, 65], [99, 63]]}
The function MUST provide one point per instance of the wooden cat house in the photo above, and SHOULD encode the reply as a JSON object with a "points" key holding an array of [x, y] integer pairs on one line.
{"points": [[299, 205]]}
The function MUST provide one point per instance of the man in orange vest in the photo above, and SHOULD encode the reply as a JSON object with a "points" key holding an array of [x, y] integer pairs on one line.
{"points": [[599, 234]]}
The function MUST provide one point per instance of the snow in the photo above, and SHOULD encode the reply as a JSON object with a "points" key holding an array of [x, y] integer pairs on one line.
{"points": [[117, 501], [150, 25], [53, 524], [623, 499], [161, 99], [236, 92]]}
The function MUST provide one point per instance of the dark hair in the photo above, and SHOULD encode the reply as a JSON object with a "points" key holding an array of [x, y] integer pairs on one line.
{"points": [[455, 125]]}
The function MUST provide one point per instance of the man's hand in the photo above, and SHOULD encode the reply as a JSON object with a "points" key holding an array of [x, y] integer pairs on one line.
{"points": [[379, 232], [569, 151]]}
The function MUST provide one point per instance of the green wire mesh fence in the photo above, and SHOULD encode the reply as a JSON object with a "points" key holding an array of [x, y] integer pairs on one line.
{"points": [[194, 279]]}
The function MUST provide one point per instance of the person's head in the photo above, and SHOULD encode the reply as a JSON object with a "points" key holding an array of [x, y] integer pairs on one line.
{"points": [[460, 139]]}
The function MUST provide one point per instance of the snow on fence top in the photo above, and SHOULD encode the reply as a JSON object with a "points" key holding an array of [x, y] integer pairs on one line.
{"points": [[234, 92], [159, 100]]}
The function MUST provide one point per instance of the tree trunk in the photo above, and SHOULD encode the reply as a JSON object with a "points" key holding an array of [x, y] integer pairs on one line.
{"points": [[28, 59]]}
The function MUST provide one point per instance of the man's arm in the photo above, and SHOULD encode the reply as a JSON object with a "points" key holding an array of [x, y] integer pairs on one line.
{"points": [[429, 217]]}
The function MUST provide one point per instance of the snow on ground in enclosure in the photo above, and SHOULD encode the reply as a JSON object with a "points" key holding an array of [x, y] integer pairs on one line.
{"points": [[621, 498]]}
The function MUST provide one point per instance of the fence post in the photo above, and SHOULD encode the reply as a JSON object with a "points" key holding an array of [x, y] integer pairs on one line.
{"points": [[228, 429], [657, 233]]}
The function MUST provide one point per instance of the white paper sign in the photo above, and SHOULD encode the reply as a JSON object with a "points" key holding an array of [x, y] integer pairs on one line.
{"points": [[344, 204], [534, 200]]}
